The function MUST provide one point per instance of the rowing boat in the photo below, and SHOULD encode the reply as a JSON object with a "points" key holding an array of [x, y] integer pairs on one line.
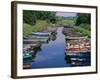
{"points": [[74, 38], [40, 37], [41, 33], [29, 41], [27, 54], [78, 54], [32, 45]]}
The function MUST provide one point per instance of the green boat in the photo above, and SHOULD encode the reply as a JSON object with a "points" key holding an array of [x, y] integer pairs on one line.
{"points": [[26, 54]]}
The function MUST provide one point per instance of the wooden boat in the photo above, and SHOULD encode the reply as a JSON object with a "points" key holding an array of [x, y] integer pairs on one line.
{"points": [[32, 46], [80, 47], [78, 59], [30, 41], [40, 34], [78, 54], [78, 51], [27, 54], [26, 66], [40, 37], [74, 38]]}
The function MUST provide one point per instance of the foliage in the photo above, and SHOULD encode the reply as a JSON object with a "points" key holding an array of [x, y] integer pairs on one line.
{"points": [[85, 26], [83, 18], [68, 22], [84, 32], [30, 17], [39, 26]]}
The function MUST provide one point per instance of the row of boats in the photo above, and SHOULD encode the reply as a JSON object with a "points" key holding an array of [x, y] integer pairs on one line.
{"points": [[31, 45], [78, 48], [79, 53]]}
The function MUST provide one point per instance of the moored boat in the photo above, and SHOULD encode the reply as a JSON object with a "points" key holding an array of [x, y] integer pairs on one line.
{"points": [[77, 54], [29, 41], [78, 47], [40, 37], [26, 66], [78, 59], [74, 38], [26, 54], [41, 33]]}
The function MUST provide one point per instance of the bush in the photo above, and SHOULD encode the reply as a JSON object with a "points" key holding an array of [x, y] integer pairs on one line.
{"points": [[29, 17], [84, 32], [85, 26], [83, 18]]}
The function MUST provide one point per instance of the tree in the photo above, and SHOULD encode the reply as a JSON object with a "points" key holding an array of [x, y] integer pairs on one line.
{"points": [[83, 18], [30, 16]]}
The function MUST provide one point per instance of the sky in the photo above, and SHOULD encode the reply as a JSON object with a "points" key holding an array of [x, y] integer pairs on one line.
{"points": [[66, 14]]}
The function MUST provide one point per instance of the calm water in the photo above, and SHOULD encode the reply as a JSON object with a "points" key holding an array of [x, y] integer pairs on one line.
{"points": [[52, 54]]}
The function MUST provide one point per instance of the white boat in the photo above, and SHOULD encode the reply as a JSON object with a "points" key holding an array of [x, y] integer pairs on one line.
{"points": [[77, 54]]}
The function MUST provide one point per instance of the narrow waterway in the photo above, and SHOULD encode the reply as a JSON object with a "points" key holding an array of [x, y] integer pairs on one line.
{"points": [[52, 54]]}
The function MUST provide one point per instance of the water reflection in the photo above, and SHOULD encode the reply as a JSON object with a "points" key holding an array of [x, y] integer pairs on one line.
{"points": [[35, 50], [78, 59], [52, 53]]}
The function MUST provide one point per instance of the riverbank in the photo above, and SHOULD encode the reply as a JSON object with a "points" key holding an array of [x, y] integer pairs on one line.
{"points": [[57, 53], [40, 25]]}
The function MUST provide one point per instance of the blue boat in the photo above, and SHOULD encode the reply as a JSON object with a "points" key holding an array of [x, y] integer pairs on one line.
{"points": [[78, 59], [41, 34], [79, 54]]}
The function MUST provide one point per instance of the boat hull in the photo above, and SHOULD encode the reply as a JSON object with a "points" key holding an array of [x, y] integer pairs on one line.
{"points": [[40, 34], [78, 59], [34, 41]]}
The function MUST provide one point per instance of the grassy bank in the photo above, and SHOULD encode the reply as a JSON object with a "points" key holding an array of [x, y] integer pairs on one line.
{"points": [[83, 31], [39, 26], [83, 28], [65, 22], [68, 22]]}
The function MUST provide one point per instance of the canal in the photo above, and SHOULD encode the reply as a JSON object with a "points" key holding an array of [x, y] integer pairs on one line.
{"points": [[52, 54]]}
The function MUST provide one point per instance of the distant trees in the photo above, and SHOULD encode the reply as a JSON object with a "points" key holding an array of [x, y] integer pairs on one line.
{"points": [[31, 17], [83, 18]]}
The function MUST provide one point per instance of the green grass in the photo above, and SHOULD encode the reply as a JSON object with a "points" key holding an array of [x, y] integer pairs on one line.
{"points": [[42, 25], [39, 26], [65, 22], [83, 31], [68, 22], [83, 28]]}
